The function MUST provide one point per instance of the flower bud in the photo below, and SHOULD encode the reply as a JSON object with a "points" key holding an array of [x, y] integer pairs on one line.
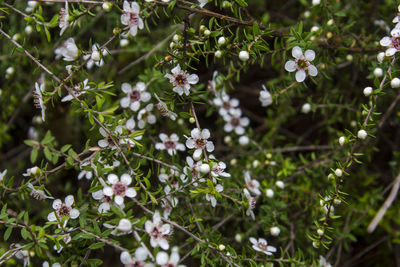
{"points": [[269, 193], [337, 201], [95, 56], [176, 38], [244, 55], [218, 54], [192, 120], [315, 244], [378, 72], [275, 231], [342, 139], [256, 163], [380, 57], [123, 42], [316, 2], [243, 140], [117, 31], [28, 29], [349, 57], [221, 40], [306, 108], [280, 184], [202, 28], [367, 91], [226, 4], [124, 225], [221, 247], [362, 134], [395, 83], [338, 172], [330, 22], [107, 6], [238, 238], [320, 232], [233, 162], [314, 28], [227, 139], [10, 70], [205, 168], [307, 14], [207, 32]]}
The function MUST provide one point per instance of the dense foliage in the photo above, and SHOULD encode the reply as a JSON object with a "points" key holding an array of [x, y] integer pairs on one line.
{"points": [[203, 133]]}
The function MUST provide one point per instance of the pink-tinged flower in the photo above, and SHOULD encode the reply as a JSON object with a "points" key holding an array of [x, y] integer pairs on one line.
{"points": [[63, 210], [265, 97], [119, 188], [165, 260], [198, 141], [63, 18], [145, 115], [251, 204], [234, 122], [210, 196], [134, 95], [37, 193], [262, 246], [225, 104], [219, 170], [392, 43], [104, 200], [397, 18], [138, 261], [38, 98], [163, 109], [301, 64], [251, 184], [130, 17], [170, 144], [181, 80], [22, 254], [158, 232]]}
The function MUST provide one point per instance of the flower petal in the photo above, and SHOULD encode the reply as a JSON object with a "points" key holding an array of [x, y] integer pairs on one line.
{"points": [[297, 52], [126, 179], [309, 55], [290, 66], [300, 76]]}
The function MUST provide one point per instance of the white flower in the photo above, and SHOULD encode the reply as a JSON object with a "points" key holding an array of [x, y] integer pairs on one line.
{"points": [[63, 18], [163, 109], [244, 140], [244, 55], [124, 225], [235, 122], [225, 104], [79, 89], [108, 140], [66, 239], [164, 260], [192, 169], [96, 57], [37, 193], [198, 141], [124, 42], [392, 43], [338, 172], [202, 2], [46, 264], [362, 134], [158, 231], [170, 144], [275, 231], [323, 262], [105, 201], [269, 193], [140, 256], [134, 95], [31, 171], [252, 184], [265, 97], [69, 50], [181, 80], [221, 40], [342, 139], [204, 168], [280, 184], [119, 188], [131, 17], [38, 98], [395, 82], [145, 116], [63, 210], [210, 196], [169, 202], [380, 57], [262, 246], [251, 204], [2, 174], [316, 2], [378, 72], [219, 170], [301, 64], [31, 6], [215, 82], [22, 255], [306, 108]]}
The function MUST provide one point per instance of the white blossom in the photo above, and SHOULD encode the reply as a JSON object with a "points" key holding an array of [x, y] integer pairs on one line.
{"points": [[391, 42], [78, 90], [235, 122], [118, 187], [130, 17], [301, 63], [198, 141], [181, 80], [63, 209], [69, 51], [165, 260], [158, 232], [37, 193], [38, 98], [2, 174], [210, 196], [265, 97], [251, 203], [251, 184], [170, 144], [63, 18], [140, 256], [225, 104], [134, 95], [163, 109], [262, 246]]}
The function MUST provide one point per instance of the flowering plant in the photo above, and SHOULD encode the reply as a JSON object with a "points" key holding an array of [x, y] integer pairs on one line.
{"points": [[199, 133]]}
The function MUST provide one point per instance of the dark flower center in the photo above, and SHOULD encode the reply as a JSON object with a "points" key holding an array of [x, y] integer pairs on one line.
{"points": [[119, 189], [162, 109], [63, 211], [226, 105], [133, 18], [169, 144], [135, 95], [235, 122], [396, 42], [262, 246], [302, 64], [200, 142], [180, 79]]}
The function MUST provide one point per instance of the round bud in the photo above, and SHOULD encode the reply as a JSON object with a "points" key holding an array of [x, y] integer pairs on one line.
{"points": [[315, 244], [35, 170], [95, 56], [10, 71], [337, 201], [171, 45], [243, 140], [238, 238], [244, 55], [233, 162], [338, 172], [307, 14], [124, 225], [117, 31], [167, 58], [207, 32], [218, 54], [314, 28], [331, 176], [205, 168], [28, 29], [362, 134], [280, 184], [349, 57], [395, 83], [380, 57], [202, 28], [353, 123], [330, 22], [16, 36], [256, 163], [378, 72], [320, 232], [269, 155], [192, 120], [221, 40], [221, 247], [367, 91], [107, 6], [269, 193], [180, 121], [316, 2], [123, 42], [227, 139], [329, 35], [196, 158], [275, 231], [176, 38], [306, 108], [342, 139], [312, 38]]}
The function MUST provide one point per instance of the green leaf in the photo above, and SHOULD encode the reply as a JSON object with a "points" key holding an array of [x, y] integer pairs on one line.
{"points": [[241, 3], [25, 234], [97, 245], [65, 148], [34, 154], [7, 233], [47, 154]]}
